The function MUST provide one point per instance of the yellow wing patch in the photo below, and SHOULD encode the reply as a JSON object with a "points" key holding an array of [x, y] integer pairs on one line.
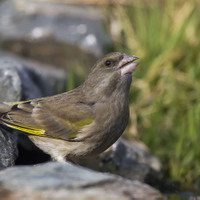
{"points": [[78, 125], [27, 129]]}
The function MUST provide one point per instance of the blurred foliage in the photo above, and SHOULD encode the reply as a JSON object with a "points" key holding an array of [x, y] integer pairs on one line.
{"points": [[165, 94]]}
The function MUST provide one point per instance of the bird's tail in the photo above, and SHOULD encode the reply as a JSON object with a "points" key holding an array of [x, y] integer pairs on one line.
{"points": [[10, 109]]}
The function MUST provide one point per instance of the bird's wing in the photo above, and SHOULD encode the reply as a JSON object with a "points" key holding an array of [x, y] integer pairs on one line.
{"points": [[38, 117]]}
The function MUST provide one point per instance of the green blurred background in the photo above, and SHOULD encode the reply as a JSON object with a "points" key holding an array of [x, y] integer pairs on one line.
{"points": [[165, 93]]}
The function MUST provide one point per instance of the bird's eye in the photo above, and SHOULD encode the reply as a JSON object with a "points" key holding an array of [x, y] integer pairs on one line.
{"points": [[108, 63]]}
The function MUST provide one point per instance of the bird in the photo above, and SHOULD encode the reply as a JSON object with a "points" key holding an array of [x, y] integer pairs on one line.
{"points": [[82, 122]]}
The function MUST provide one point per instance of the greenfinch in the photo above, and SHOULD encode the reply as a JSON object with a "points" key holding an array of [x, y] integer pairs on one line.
{"points": [[81, 122]]}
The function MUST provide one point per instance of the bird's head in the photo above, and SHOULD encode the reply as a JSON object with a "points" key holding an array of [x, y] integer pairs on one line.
{"points": [[110, 73]]}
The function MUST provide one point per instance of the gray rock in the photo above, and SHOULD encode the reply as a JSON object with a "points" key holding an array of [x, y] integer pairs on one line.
{"points": [[131, 161], [16, 82], [21, 79], [66, 181], [10, 83], [37, 79], [10, 90], [8, 149], [128, 160]]}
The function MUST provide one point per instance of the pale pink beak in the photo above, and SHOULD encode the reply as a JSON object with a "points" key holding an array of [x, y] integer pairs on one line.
{"points": [[126, 65]]}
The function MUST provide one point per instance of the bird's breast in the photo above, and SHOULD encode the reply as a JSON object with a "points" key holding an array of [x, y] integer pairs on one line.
{"points": [[110, 121]]}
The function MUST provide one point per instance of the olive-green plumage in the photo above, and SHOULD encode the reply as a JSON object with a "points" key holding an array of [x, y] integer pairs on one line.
{"points": [[81, 122]]}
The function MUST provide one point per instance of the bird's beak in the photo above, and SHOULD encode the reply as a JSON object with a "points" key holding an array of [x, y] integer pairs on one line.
{"points": [[126, 65]]}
